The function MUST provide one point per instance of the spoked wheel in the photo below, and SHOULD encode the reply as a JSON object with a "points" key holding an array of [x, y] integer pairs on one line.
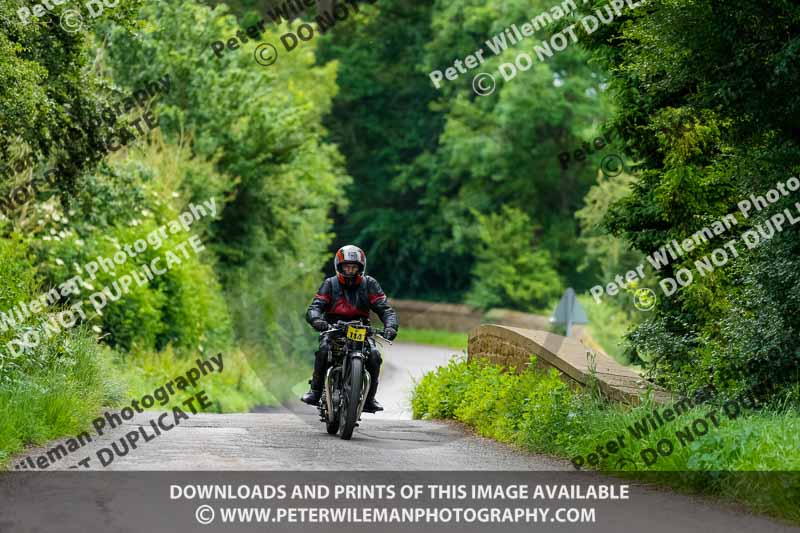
{"points": [[351, 397]]}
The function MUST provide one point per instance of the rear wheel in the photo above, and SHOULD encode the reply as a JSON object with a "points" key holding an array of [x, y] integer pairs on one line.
{"points": [[332, 425], [351, 397]]}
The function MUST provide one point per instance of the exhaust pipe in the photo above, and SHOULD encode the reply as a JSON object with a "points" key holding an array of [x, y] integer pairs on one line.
{"points": [[328, 400], [365, 392]]}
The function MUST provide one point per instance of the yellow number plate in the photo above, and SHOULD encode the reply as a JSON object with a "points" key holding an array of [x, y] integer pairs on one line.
{"points": [[356, 334]]}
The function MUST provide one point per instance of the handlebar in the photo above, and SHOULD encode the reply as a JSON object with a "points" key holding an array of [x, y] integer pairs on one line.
{"points": [[341, 325]]}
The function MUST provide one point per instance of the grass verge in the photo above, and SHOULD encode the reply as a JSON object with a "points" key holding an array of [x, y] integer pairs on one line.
{"points": [[236, 389], [58, 399], [541, 413], [434, 337]]}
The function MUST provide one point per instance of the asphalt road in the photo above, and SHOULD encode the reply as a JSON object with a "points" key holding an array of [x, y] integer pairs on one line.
{"points": [[293, 439]]}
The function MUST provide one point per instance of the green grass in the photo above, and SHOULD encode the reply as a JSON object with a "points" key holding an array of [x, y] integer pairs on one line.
{"points": [[539, 412], [433, 337], [236, 389], [57, 400]]}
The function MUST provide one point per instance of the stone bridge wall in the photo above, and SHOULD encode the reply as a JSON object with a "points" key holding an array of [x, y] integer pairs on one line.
{"points": [[459, 317], [512, 347]]}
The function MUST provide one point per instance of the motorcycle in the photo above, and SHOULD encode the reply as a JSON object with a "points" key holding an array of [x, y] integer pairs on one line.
{"points": [[347, 381]]}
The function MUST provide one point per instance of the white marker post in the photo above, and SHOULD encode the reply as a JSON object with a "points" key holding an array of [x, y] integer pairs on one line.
{"points": [[569, 312]]}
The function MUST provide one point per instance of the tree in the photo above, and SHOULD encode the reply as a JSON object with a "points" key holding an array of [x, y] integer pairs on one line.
{"points": [[50, 100], [707, 99], [509, 270], [422, 159]]}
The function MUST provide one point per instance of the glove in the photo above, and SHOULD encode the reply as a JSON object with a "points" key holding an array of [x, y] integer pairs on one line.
{"points": [[389, 334], [320, 325]]}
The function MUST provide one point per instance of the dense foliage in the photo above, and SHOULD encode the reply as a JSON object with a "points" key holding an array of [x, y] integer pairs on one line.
{"points": [[428, 163], [250, 139], [454, 197], [707, 99], [50, 100]]}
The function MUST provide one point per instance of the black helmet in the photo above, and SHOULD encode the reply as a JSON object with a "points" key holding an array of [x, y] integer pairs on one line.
{"points": [[350, 255]]}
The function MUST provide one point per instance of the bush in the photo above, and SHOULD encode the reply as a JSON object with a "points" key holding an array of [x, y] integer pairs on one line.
{"points": [[119, 204], [528, 408], [440, 392], [540, 412], [52, 389], [236, 389]]}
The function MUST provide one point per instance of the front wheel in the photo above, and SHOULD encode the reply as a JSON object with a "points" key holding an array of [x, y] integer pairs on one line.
{"points": [[351, 398]]}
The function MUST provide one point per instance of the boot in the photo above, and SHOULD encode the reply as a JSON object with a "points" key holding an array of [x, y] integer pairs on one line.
{"points": [[371, 405], [313, 396]]}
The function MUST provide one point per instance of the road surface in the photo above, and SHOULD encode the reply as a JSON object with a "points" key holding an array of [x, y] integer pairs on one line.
{"points": [[292, 439]]}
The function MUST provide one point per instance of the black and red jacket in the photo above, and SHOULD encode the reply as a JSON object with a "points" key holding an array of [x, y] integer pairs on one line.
{"points": [[335, 302]]}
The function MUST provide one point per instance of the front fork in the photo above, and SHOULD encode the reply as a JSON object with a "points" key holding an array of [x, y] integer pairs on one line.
{"points": [[366, 382], [328, 399], [365, 385]]}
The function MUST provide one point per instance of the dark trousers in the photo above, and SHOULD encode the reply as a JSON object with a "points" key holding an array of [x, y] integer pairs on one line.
{"points": [[373, 365]]}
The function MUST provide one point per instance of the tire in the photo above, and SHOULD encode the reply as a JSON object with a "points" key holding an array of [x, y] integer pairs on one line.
{"points": [[332, 426], [351, 394]]}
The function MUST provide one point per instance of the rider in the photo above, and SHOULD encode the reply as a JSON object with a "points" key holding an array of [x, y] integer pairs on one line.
{"points": [[349, 295]]}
